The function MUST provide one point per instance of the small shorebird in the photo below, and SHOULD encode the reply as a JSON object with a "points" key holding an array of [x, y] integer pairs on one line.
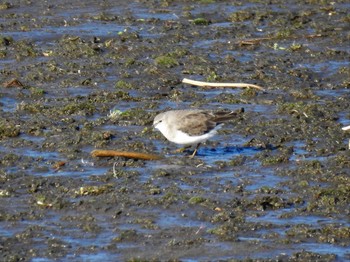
{"points": [[192, 126]]}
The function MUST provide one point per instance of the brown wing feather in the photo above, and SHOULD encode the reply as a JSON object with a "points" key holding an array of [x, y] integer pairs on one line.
{"points": [[223, 116], [197, 123], [201, 122]]}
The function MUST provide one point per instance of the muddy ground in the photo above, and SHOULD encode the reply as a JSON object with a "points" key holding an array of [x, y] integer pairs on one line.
{"points": [[273, 185]]}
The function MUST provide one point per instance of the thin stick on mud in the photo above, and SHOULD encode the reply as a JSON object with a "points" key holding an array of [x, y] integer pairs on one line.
{"points": [[218, 85], [253, 41], [135, 155]]}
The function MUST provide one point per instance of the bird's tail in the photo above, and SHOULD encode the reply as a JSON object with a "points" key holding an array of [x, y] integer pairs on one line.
{"points": [[223, 116]]}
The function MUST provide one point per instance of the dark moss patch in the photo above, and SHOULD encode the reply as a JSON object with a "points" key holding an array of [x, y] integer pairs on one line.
{"points": [[6, 40], [201, 21], [241, 16], [74, 47], [4, 6], [8, 129], [123, 85], [84, 107], [25, 49], [196, 200], [166, 61]]}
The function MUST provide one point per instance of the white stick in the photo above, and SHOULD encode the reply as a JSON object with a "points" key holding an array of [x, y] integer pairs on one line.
{"points": [[346, 128], [201, 83]]}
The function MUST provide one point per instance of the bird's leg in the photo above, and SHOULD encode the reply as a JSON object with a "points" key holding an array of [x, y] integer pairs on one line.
{"points": [[195, 151]]}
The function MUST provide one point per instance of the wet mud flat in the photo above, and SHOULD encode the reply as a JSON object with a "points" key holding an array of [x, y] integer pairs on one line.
{"points": [[274, 184]]}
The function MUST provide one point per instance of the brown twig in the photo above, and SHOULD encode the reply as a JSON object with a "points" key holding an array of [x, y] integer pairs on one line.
{"points": [[135, 155], [253, 41], [13, 83], [218, 85]]}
